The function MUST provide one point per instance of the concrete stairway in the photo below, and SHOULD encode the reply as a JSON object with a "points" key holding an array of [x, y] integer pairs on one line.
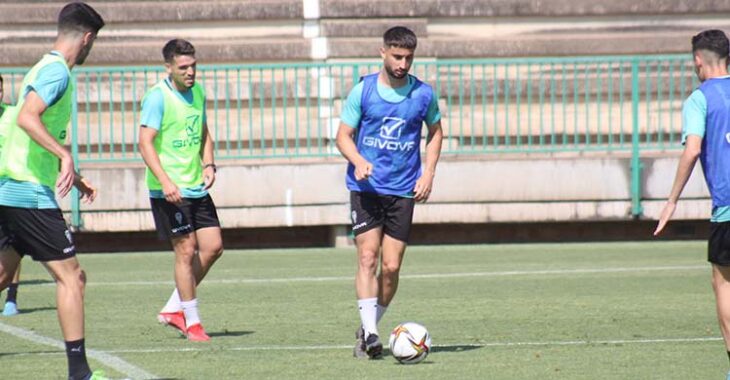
{"points": [[302, 30]]}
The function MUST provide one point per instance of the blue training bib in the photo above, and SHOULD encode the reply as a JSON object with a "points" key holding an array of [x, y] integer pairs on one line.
{"points": [[715, 154], [389, 137]]}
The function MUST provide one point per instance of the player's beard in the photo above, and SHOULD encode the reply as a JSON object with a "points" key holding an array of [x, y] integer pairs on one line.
{"points": [[185, 82], [182, 83], [83, 54], [393, 74]]}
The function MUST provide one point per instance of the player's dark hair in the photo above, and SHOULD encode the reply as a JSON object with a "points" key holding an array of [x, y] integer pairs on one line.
{"points": [[712, 40], [400, 37], [79, 17], [177, 47]]}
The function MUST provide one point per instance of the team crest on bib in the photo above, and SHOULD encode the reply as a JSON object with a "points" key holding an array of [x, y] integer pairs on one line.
{"points": [[389, 136], [391, 128], [727, 137]]}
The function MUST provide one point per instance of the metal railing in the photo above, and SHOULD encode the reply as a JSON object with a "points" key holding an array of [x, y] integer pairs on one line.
{"points": [[514, 105]]}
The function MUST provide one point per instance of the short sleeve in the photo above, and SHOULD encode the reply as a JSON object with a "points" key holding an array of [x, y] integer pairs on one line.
{"points": [[50, 84], [694, 115], [153, 107], [352, 109], [433, 115]]}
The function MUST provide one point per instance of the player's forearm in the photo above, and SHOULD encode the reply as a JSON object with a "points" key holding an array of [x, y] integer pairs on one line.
{"points": [[684, 169], [152, 160], [433, 149], [35, 129], [348, 149], [207, 155]]}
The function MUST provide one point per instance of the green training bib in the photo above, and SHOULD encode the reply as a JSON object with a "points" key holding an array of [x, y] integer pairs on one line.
{"points": [[179, 139], [21, 158]]}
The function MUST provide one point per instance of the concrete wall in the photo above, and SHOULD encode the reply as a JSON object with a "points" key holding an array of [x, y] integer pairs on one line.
{"points": [[474, 190]]}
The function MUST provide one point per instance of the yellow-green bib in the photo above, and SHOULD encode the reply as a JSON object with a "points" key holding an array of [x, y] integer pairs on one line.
{"points": [[179, 139], [21, 158]]}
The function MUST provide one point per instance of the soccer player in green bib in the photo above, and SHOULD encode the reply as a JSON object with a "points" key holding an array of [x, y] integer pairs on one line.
{"points": [[33, 163], [178, 150], [11, 300], [3, 106]]}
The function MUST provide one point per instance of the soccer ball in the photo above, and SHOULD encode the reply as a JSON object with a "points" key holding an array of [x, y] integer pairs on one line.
{"points": [[409, 343]]}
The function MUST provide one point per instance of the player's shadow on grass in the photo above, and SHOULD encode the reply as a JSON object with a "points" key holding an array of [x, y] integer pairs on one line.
{"points": [[29, 310], [42, 352], [456, 348], [35, 282], [227, 333]]}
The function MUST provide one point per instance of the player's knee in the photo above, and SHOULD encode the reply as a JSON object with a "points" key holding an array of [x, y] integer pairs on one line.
{"points": [[74, 280], [82, 281], [185, 254], [390, 267], [78, 279], [217, 251], [368, 260]]}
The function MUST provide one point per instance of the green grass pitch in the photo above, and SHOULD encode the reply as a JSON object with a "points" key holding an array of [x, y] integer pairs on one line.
{"points": [[532, 311]]}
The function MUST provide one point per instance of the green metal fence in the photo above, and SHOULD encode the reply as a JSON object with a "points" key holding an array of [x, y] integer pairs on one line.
{"points": [[520, 105]]}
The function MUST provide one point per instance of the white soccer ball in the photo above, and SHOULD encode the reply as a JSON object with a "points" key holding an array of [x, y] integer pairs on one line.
{"points": [[409, 343]]}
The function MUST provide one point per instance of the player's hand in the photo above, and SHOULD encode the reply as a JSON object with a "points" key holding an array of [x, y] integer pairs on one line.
{"points": [[66, 176], [664, 217], [208, 177], [363, 171], [423, 187], [87, 190], [172, 193]]}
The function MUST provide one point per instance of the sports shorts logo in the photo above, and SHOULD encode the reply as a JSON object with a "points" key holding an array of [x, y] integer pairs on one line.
{"points": [[68, 250], [354, 220], [178, 217]]}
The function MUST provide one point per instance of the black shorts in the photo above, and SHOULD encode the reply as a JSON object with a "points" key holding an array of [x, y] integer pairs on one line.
{"points": [[718, 247], [393, 213], [178, 220], [40, 233]]}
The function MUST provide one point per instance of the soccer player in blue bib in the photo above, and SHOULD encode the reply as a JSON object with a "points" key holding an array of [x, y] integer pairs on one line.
{"points": [[34, 163], [380, 135], [706, 135]]}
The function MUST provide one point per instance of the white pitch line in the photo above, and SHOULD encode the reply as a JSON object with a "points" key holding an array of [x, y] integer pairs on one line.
{"points": [[437, 346], [594, 342], [105, 358], [419, 276]]}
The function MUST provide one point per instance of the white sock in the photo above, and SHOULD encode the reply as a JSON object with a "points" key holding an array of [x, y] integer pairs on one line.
{"points": [[190, 308], [173, 304], [368, 315], [381, 311]]}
